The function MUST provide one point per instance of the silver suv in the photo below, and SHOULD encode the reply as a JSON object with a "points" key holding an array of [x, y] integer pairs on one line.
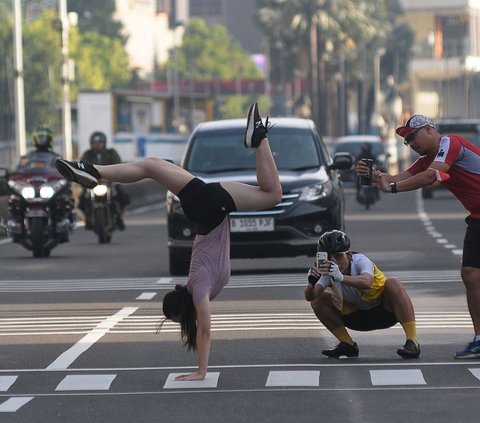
{"points": [[313, 200]]}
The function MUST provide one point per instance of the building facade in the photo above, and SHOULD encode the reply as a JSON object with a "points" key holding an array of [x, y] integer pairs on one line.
{"points": [[445, 70]]}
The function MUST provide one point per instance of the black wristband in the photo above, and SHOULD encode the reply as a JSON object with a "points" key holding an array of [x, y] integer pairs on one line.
{"points": [[393, 187]]}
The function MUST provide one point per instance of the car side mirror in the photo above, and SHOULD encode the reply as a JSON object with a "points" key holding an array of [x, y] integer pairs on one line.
{"points": [[342, 161], [3, 172]]}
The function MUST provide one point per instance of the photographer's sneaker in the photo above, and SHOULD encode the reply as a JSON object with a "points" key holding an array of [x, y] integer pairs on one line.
{"points": [[255, 131], [82, 173], [471, 350], [343, 349], [409, 350]]}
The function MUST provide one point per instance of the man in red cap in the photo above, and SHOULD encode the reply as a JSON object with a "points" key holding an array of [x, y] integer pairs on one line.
{"points": [[454, 162]]}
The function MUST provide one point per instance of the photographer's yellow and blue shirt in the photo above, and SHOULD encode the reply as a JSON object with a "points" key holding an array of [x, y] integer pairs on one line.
{"points": [[361, 299]]}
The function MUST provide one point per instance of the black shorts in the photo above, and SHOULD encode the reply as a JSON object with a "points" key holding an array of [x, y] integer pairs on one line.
{"points": [[365, 320], [471, 244], [205, 204]]}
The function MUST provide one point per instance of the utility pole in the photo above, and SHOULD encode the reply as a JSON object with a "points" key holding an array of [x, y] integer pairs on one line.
{"points": [[21, 143], [66, 106]]}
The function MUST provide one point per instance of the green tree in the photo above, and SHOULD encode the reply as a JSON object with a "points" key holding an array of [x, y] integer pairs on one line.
{"points": [[312, 37], [101, 62], [212, 54], [41, 55], [97, 16]]}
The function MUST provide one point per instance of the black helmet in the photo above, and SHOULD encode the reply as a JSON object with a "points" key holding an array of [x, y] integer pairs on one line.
{"points": [[42, 138], [334, 242], [98, 136]]}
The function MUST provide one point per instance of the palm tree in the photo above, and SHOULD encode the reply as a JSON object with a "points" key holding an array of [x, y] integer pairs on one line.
{"points": [[318, 33]]}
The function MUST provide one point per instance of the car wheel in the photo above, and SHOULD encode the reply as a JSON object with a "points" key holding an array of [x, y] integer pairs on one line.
{"points": [[179, 262]]}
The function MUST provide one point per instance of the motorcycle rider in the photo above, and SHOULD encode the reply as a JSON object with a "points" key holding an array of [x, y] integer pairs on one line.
{"points": [[366, 152], [42, 158], [42, 139], [99, 154]]}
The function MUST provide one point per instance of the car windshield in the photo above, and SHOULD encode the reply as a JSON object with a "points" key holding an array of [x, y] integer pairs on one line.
{"points": [[223, 151], [354, 148]]}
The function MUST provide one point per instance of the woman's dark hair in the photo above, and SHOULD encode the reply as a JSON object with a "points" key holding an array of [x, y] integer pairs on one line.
{"points": [[179, 303]]}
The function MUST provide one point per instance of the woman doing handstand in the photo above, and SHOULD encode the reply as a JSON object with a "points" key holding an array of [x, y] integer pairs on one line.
{"points": [[208, 206]]}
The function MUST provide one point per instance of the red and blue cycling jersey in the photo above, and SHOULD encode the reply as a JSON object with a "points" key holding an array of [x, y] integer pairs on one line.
{"points": [[463, 157]]}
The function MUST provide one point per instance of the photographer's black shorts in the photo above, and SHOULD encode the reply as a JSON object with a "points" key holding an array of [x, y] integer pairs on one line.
{"points": [[471, 244], [205, 204], [366, 320]]}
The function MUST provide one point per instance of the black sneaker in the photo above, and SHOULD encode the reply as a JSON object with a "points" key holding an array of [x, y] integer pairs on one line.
{"points": [[255, 131], [342, 349], [82, 173], [409, 350]]}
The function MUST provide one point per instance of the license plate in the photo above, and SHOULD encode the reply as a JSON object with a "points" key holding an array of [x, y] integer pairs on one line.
{"points": [[252, 224]]}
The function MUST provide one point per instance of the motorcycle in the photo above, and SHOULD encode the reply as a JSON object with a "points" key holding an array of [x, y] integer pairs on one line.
{"points": [[40, 207], [101, 211], [367, 195]]}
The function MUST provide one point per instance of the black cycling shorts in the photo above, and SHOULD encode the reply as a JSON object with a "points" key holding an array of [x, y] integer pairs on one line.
{"points": [[205, 204], [471, 244], [365, 320]]}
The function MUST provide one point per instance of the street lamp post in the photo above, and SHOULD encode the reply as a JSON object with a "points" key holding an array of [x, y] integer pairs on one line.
{"points": [[66, 106], [21, 143], [377, 118]]}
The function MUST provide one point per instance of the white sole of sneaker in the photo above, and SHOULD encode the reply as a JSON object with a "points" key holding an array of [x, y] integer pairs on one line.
{"points": [[82, 178], [250, 126]]}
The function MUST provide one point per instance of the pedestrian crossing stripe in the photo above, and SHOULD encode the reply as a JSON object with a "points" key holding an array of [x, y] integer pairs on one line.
{"points": [[285, 379], [397, 377], [235, 282], [294, 378], [210, 381], [6, 382], [86, 383]]}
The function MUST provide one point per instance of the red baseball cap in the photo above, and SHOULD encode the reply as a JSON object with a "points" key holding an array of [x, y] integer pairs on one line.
{"points": [[414, 123]]}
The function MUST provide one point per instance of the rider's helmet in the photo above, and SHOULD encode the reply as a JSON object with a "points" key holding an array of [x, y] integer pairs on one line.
{"points": [[334, 242], [98, 137], [42, 138]]}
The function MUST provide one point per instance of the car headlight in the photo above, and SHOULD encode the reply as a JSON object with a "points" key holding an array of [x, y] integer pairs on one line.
{"points": [[316, 192]]}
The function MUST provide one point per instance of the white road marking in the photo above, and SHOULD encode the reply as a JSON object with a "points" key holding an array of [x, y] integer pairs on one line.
{"points": [[475, 372], [268, 321], [69, 356], [146, 296], [294, 378], [430, 228], [236, 281], [210, 381], [86, 383], [13, 404], [397, 377], [6, 382]]}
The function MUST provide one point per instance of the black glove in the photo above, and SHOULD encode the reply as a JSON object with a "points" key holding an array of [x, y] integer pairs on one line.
{"points": [[312, 279]]}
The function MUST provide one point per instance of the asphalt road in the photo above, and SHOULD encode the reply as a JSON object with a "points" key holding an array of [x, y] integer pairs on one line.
{"points": [[78, 339]]}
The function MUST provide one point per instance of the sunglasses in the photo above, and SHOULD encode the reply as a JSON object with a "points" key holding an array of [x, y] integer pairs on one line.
{"points": [[411, 136]]}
